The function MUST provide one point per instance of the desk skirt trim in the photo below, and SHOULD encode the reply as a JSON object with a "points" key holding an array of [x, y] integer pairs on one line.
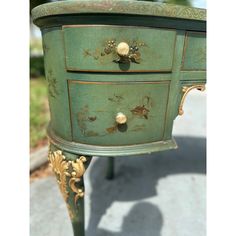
{"points": [[112, 151]]}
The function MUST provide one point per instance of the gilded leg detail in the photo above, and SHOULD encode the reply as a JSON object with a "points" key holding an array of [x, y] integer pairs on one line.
{"points": [[78, 172], [69, 170]]}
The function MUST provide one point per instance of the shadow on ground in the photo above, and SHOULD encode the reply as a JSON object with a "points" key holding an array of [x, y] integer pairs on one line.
{"points": [[136, 180]]}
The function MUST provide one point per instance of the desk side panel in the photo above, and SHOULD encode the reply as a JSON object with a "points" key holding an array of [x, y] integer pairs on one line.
{"points": [[57, 86]]}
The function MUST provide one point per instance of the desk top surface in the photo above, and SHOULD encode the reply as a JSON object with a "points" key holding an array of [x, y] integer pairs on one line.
{"points": [[185, 9]]}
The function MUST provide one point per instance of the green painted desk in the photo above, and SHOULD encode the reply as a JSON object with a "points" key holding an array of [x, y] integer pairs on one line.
{"points": [[118, 73]]}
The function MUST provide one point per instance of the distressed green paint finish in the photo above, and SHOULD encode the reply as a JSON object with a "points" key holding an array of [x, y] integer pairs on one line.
{"points": [[174, 84], [165, 36], [194, 57], [65, 102], [57, 85], [64, 114], [84, 93], [118, 77], [108, 151], [94, 107], [193, 75], [84, 52], [125, 20], [120, 7]]}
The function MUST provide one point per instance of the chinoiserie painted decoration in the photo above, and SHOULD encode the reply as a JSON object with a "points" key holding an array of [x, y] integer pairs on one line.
{"points": [[118, 73]]}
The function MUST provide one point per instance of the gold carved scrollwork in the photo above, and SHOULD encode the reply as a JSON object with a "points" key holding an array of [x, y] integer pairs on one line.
{"points": [[60, 167], [73, 170], [185, 91], [76, 174]]}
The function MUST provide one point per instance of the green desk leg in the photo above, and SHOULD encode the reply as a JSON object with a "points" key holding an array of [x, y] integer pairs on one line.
{"points": [[69, 170], [110, 168]]}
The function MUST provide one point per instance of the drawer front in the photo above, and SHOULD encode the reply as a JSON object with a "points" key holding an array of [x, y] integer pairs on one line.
{"points": [[95, 105], [118, 48], [194, 57]]}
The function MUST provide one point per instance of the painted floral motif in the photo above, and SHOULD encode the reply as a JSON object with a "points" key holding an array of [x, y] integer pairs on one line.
{"points": [[52, 84], [110, 49]]}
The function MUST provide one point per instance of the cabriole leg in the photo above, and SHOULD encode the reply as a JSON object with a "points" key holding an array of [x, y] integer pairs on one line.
{"points": [[69, 170], [110, 168]]}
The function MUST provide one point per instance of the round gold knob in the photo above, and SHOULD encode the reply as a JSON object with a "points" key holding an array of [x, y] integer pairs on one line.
{"points": [[121, 118], [123, 49]]}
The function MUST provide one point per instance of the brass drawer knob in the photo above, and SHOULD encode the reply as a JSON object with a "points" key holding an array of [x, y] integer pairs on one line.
{"points": [[122, 49], [121, 118]]}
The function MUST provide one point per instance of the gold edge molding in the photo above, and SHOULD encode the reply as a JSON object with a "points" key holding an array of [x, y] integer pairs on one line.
{"points": [[64, 169], [186, 90]]}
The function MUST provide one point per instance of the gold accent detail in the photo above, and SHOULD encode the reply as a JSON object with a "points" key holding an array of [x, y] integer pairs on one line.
{"points": [[121, 118], [60, 166], [76, 174], [123, 49], [124, 52], [63, 169], [186, 90]]}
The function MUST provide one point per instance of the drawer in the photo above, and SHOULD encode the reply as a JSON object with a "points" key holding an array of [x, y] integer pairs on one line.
{"points": [[118, 48], [94, 107], [194, 57]]}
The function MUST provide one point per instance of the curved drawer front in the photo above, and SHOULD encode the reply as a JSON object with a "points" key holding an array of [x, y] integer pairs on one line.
{"points": [[98, 107], [194, 57], [95, 48]]}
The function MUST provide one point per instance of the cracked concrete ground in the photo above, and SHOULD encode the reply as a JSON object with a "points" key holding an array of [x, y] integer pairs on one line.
{"points": [[161, 194]]}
